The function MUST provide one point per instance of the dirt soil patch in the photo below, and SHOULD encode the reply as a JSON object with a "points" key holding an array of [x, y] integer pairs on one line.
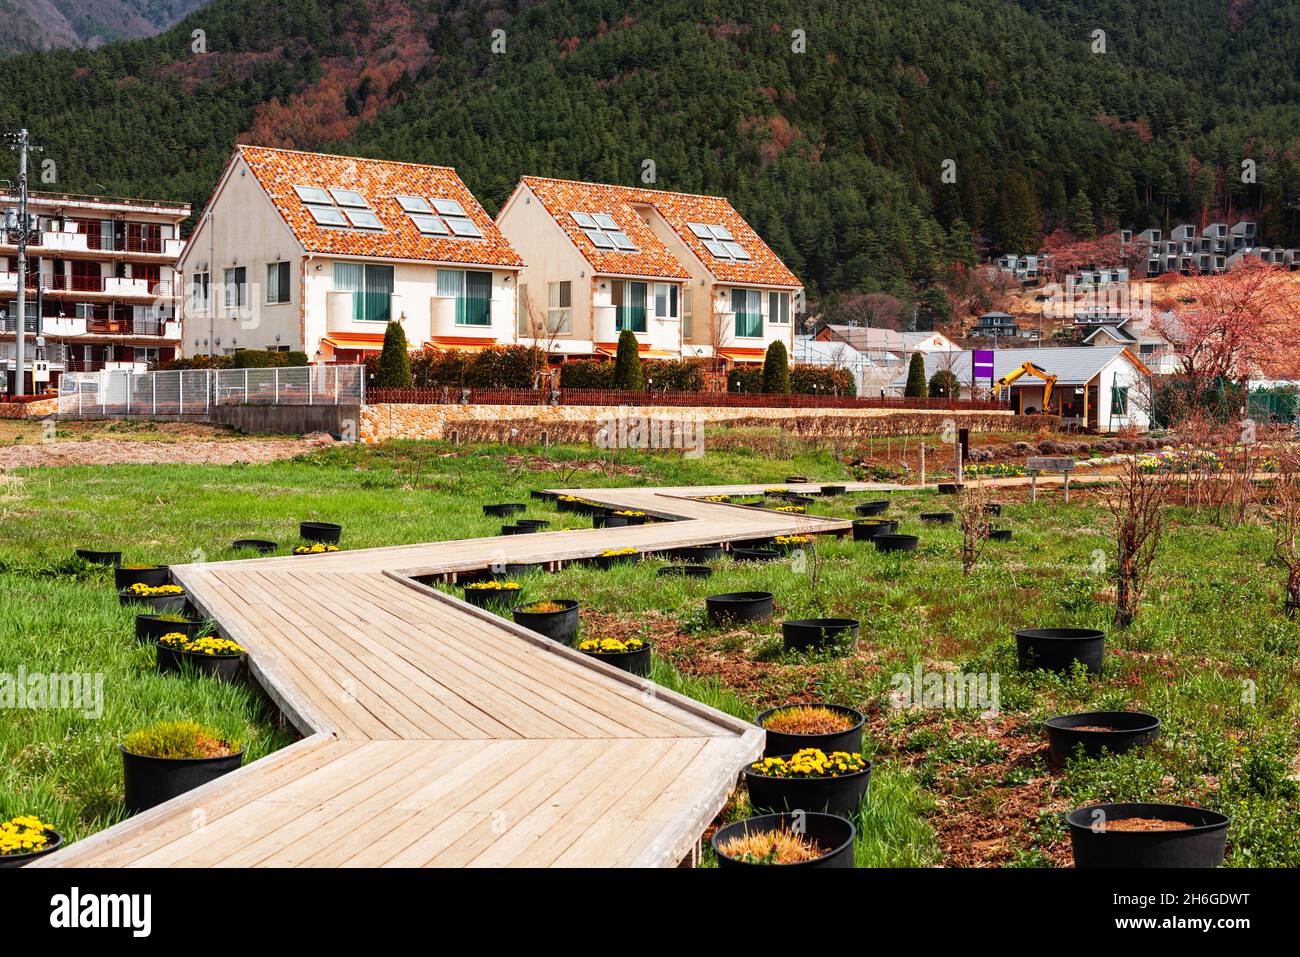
{"points": [[153, 452]]}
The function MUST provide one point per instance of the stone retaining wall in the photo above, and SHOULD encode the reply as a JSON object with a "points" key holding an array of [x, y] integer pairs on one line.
{"points": [[29, 410], [581, 424]]}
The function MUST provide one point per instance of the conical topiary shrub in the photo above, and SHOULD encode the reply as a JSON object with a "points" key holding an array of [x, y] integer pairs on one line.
{"points": [[627, 363], [395, 361], [776, 369], [916, 384]]}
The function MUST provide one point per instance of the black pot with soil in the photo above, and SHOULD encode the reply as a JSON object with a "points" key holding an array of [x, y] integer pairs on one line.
{"points": [[939, 518], [738, 606], [173, 661], [950, 488], [841, 795], [896, 543], [834, 835], [53, 841], [993, 509], [533, 523], [868, 509], [492, 598], [999, 535], [1098, 731], [263, 546], [796, 480], [696, 553], [512, 570], [830, 491], [150, 781], [784, 742], [634, 662], [558, 624], [1057, 649], [865, 529], [606, 562], [160, 604], [755, 554], [504, 509], [1147, 835], [99, 558], [124, 576], [802, 634], [327, 533], [607, 520], [153, 627], [685, 571], [518, 529]]}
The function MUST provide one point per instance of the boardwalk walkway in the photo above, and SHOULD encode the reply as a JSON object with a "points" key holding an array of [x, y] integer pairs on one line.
{"points": [[438, 734]]}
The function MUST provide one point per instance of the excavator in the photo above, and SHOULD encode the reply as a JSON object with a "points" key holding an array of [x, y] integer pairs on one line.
{"points": [[1028, 368]]}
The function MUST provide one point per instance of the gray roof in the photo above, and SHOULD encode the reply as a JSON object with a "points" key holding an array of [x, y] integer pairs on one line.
{"points": [[1072, 365], [1118, 333]]}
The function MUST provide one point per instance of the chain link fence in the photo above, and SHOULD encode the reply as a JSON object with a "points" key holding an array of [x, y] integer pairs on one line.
{"points": [[194, 392]]}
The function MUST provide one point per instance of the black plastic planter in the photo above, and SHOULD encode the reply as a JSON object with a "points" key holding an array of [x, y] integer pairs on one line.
{"points": [[834, 834], [755, 554], [533, 522], [867, 509], [781, 742], [561, 626], [736, 606], [492, 598], [55, 841], [993, 509], [1124, 731], [606, 562], [999, 535], [325, 532], [518, 529], [512, 570], [794, 498], [686, 571], [173, 661], [831, 491], [151, 575], [865, 529], [262, 545], [504, 509], [796, 480], [151, 781], [1095, 845], [161, 604], [800, 634], [697, 553], [151, 627], [99, 558], [1057, 649], [635, 662], [842, 795], [896, 543], [606, 520], [938, 518], [949, 488]]}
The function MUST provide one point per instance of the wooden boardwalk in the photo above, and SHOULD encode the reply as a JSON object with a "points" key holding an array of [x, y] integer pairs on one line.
{"points": [[438, 734]]}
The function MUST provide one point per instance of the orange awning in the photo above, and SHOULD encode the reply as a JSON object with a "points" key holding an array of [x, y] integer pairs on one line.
{"points": [[461, 343], [611, 349], [743, 355], [363, 341]]}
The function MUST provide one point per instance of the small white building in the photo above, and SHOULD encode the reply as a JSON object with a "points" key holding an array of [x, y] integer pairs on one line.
{"points": [[312, 252], [1103, 388]]}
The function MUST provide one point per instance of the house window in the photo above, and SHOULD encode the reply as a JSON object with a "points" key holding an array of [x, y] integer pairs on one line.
{"points": [[1147, 349], [559, 311], [277, 283], [199, 292], [778, 308], [665, 300], [371, 286], [629, 299], [687, 312], [236, 281], [1119, 400], [747, 304], [472, 292]]}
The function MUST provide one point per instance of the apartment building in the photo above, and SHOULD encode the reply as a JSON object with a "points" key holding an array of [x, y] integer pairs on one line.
{"points": [[685, 273], [101, 286], [313, 252]]}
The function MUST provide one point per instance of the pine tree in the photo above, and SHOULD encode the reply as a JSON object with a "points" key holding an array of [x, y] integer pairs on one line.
{"points": [[1017, 222], [1082, 223], [916, 384], [627, 363], [395, 361], [776, 369]]}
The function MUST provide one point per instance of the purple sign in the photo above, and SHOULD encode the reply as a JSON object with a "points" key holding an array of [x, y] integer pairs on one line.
{"points": [[982, 364]]}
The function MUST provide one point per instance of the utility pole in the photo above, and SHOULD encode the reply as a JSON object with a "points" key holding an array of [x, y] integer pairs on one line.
{"points": [[19, 141]]}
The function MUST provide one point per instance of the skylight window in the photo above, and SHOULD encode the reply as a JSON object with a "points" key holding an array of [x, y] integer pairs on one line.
{"points": [[414, 204], [439, 217], [462, 226], [430, 225], [719, 241], [449, 207], [342, 208], [604, 231]]}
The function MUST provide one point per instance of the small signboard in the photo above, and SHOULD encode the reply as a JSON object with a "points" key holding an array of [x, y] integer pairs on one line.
{"points": [[1050, 463], [40, 371], [982, 365]]}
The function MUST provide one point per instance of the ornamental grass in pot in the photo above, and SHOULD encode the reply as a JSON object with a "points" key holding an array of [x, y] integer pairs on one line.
{"points": [[810, 780], [25, 838], [828, 727], [554, 618], [166, 760], [153, 627], [209, 655], [806, 839], [629, 654]]}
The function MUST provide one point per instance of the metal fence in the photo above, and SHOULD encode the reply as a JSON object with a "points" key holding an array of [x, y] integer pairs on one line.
{"points": [[194, 392]]}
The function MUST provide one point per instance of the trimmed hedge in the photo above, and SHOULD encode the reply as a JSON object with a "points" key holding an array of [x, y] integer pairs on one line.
{"points": [[496, 367], [665, 375], [804, 380], [242, 359]]}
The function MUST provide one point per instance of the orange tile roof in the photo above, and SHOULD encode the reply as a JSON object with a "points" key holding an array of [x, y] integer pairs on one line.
{"points": [[560, 197], [379, 181]]}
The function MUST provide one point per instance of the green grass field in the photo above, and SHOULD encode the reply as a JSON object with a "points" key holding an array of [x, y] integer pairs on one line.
{"points": [[1211, 654]]}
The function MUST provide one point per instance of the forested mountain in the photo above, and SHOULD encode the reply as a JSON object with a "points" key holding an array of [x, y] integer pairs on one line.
{"points": [[835, 151], [42, 24]]}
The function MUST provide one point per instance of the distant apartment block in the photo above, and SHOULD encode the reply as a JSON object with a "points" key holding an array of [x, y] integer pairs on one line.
{"points": [[101, 288]]}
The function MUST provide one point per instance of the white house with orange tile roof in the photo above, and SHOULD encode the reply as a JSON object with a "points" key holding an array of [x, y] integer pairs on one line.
{"points": [[686, 273], [315, 252]]}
